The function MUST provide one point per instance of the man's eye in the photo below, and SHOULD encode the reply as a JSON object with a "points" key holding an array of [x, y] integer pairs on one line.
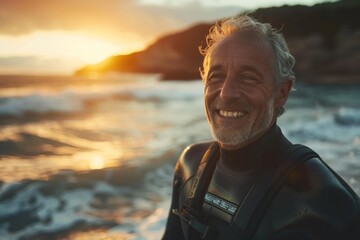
{"points": [[249, 79], [215, 78]]}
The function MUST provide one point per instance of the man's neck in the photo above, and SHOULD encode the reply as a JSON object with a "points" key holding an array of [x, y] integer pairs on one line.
{"points": [[251, 156], [247, 142]]}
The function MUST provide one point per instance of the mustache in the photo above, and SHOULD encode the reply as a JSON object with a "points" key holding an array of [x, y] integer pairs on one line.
{"points": [[237, 105]]}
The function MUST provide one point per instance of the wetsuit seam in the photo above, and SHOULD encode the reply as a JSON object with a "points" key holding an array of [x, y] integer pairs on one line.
{"points": [[270, 220], [184, 183]]}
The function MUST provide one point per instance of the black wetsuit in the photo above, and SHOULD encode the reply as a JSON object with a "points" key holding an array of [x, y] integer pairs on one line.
{"points": [[311, 204]]}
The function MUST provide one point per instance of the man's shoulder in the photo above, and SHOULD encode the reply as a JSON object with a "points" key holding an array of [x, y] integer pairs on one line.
{"points": [[315, 176], [314, 190], [190, 158]]}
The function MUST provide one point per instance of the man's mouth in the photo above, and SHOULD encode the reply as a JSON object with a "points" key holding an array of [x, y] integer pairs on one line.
{"points": [[230, 114]]}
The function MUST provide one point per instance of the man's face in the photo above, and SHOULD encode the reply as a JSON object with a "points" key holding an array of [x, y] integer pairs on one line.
{"points": [[240, 92]]}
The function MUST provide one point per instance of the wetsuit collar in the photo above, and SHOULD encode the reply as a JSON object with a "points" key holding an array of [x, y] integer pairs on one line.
{"points": [[258, 154]]}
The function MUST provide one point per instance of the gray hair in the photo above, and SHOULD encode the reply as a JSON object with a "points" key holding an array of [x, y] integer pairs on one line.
{"points": [[284, 61]]}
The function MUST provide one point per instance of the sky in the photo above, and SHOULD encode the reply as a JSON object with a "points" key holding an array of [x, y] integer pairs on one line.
{"points": [[60, 36]]}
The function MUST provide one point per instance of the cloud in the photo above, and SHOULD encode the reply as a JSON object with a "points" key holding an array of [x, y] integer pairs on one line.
{"points": [[110, 19]]}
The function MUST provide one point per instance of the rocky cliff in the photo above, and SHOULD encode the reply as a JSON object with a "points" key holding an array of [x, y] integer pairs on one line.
{"points": [[324, 38]]}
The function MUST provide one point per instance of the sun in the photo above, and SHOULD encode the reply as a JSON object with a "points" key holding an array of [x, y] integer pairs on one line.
{"points": [[96, 162], [90, 49]]}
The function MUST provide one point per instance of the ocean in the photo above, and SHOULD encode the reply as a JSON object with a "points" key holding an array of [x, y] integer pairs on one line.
{"points": [[92, 158]]}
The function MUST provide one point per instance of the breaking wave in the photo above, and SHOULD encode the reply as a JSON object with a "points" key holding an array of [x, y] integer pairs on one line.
{"points": [[348, 116], [125, 202], [73, 101]]}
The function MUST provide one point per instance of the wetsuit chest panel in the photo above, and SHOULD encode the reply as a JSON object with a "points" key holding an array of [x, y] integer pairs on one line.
{"points": [[236, 171], [225, 192]]}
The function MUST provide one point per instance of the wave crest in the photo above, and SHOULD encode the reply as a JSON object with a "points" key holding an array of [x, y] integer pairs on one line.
{"points": [[75, 100], [348, 116]]}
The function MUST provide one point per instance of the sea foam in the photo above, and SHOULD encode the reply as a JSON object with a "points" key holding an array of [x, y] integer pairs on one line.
{"points": [[76, 99]]}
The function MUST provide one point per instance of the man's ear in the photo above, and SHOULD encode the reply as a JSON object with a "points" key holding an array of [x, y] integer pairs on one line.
{"points": [[282, 93]]}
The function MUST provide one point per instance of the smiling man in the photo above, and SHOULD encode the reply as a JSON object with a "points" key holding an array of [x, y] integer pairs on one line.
{"points": [[253, 183], [241, 95]]}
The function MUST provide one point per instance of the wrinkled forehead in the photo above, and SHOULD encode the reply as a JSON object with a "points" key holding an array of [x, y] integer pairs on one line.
{"points": [[241, 41], [237, 52]]}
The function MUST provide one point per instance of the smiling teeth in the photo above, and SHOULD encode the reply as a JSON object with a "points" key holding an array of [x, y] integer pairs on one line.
{"points": [[231, 114]]}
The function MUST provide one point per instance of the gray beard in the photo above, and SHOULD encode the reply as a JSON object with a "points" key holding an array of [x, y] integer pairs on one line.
{"points": [[236, 136]]}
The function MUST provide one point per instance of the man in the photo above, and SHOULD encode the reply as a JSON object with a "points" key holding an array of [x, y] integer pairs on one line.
{"points": [[253, 183]]}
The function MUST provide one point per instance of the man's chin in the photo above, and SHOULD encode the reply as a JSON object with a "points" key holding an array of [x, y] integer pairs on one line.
{"points": [[231, 139]]}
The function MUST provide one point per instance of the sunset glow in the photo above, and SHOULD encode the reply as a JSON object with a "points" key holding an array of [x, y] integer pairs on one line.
{"points": [[62, 36], [61, 44], [57, 44]]}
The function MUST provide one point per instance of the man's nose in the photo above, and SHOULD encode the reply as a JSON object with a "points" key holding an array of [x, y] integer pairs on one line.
{"points": [[230, 90]]}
